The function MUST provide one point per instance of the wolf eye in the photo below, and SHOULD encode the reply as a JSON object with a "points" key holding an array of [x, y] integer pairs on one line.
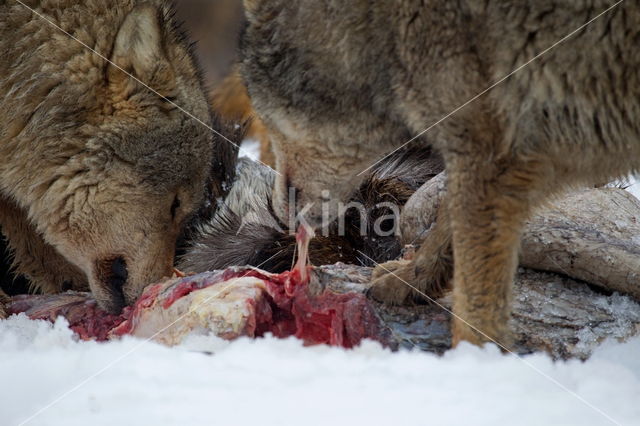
{"points": [[174, 207]]}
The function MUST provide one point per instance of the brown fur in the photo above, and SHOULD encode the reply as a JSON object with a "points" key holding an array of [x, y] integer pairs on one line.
{"points": [[334, 105], [97, 173], [231, 101]]}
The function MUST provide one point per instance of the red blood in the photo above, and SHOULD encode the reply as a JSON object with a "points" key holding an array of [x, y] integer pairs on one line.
{"points": [[189, 285], [287, 308]]}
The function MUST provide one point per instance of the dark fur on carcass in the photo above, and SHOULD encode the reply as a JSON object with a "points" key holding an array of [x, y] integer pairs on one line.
{"points": [[245, 231]]}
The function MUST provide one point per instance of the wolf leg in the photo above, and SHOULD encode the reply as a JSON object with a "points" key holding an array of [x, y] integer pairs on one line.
{"points": [[488, 204], [424, 277], [46, 269]]}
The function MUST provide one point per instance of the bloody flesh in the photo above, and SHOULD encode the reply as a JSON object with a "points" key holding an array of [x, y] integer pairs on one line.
{"points": [[300, 272], [85, 318], [285, 307], [286, 310]]}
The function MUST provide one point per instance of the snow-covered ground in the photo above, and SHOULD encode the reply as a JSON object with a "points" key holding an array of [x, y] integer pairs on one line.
{"points": [[280, 382]]}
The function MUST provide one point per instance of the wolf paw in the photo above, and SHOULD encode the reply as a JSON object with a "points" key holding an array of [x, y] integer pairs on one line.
{"points": [[424, 278], [392, 281]]}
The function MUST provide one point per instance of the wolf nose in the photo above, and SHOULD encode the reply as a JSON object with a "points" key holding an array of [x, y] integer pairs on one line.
{"points": [[119, 274], [112, 275], [116, 282]]}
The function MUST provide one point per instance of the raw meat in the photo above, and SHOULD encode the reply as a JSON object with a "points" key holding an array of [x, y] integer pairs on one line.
{"points": [[85, 318], [229, 304], [250, 302], [232, 303], [555, 314]]}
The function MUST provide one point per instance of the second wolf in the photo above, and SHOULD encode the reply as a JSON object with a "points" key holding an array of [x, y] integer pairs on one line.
{"points": [[368, 76]]}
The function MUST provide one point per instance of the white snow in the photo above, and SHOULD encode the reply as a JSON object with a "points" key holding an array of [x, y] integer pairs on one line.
{"points": [[250, 148], [280, 382]]}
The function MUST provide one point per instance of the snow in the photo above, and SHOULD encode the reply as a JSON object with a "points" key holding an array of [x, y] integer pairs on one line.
{"points": [[250, 148], [280, 382]]}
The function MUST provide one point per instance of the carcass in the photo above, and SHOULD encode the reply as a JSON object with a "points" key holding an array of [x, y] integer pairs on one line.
{"points": [[555, 314]]}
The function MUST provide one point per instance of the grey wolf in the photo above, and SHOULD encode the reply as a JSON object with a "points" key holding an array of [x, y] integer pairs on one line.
{"points": [[97, 173], [338, 85]]}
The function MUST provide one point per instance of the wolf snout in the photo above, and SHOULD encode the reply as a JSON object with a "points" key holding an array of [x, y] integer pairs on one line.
{"points": [[113, 275], [119, 273]]}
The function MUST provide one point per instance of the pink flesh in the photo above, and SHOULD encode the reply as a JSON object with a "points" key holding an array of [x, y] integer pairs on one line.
{"points": [[85, 318], [300, 272], [329, 318], [287, 308]]}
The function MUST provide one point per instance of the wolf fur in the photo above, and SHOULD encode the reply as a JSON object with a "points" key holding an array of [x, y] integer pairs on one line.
{"points": [[97, 173], [339, 85]]}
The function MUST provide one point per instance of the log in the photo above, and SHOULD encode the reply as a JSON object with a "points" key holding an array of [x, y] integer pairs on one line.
{"points": [[551, 313], [591, 235], [420, 212]]}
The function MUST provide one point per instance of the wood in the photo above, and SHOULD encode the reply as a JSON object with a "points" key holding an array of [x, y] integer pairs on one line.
{"points": [[551, 313], [591, 235]]}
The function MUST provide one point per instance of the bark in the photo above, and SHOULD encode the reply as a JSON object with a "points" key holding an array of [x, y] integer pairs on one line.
{"points": [[551, 313], [591, 235]]}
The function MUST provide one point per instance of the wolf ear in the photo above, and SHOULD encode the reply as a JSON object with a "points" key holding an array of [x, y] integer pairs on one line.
{"points": [[138, 49]]}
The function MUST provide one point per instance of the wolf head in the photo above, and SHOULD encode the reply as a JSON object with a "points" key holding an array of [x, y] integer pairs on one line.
{"points": [[122, 183], [325, 107]]}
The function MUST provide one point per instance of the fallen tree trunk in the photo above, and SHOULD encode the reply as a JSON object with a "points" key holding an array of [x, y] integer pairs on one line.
{"points": [[591, 235], [551, 313]]}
